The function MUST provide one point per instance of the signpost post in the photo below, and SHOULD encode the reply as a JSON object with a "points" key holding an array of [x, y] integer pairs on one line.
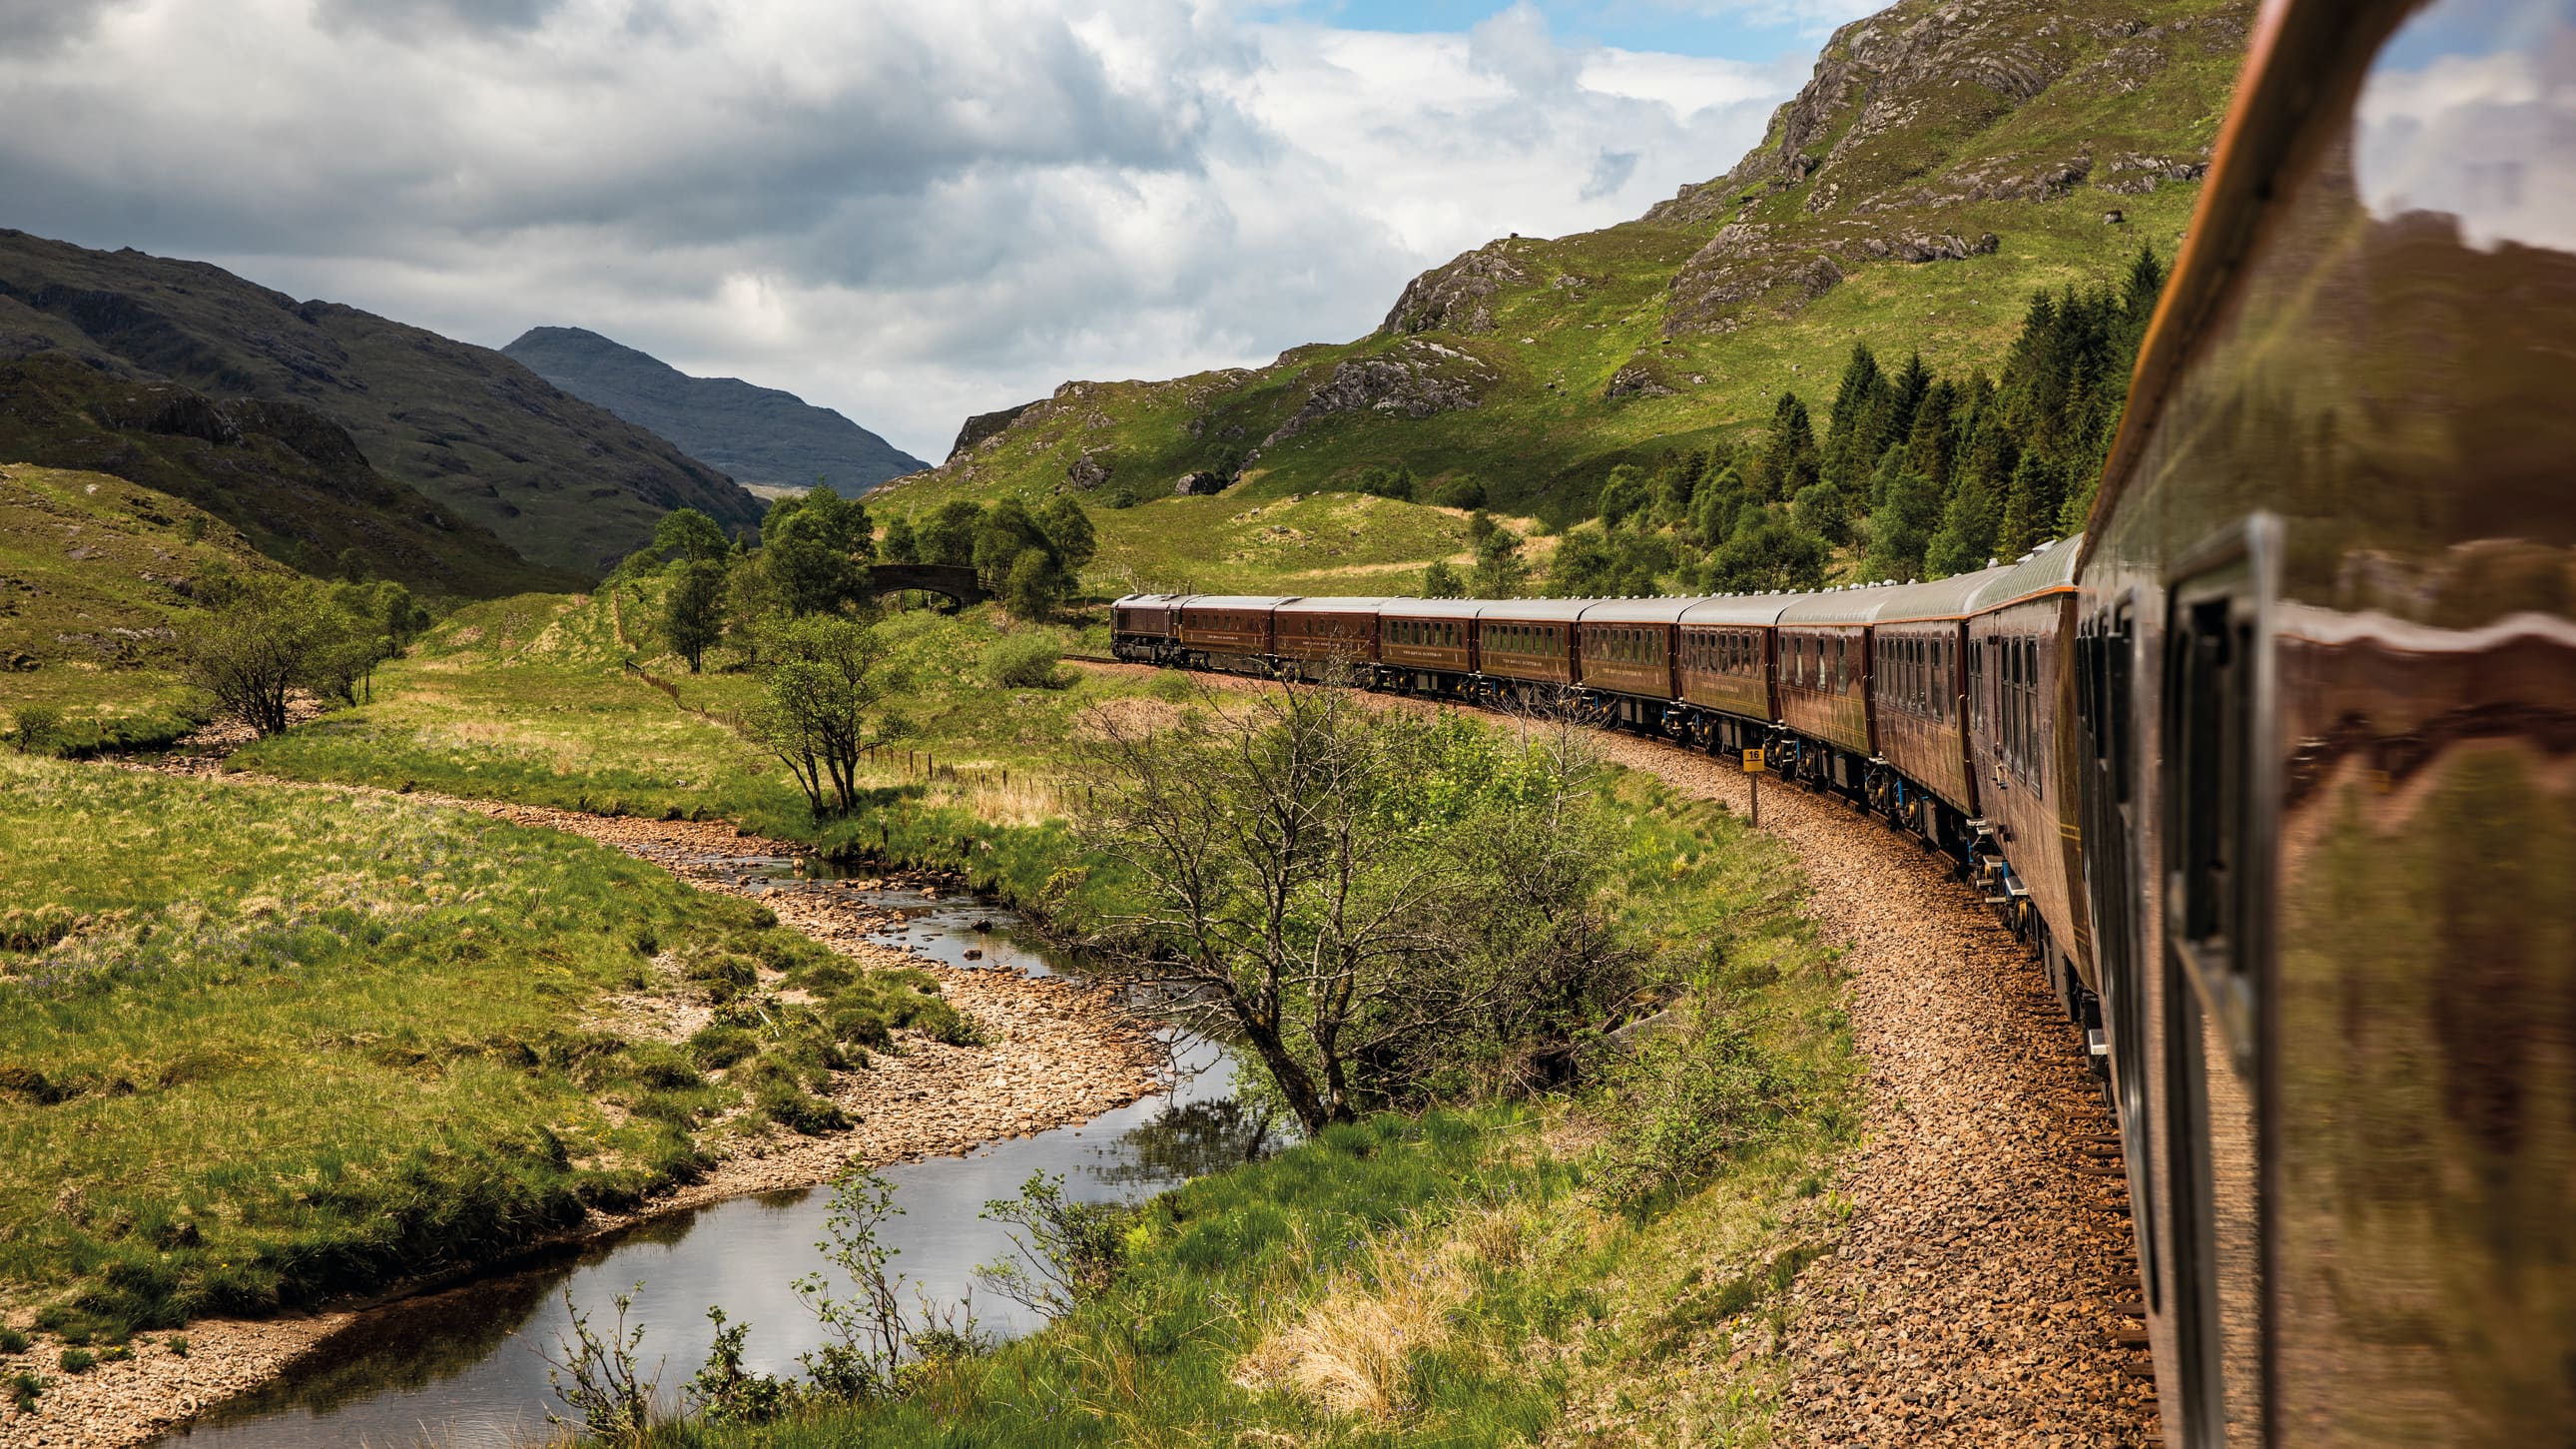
{"points": [[1753, 779]]}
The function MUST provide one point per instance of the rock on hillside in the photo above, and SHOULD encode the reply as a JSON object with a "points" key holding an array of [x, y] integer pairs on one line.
{"points": [[1946, 158], [760, 435], [566, 483]]}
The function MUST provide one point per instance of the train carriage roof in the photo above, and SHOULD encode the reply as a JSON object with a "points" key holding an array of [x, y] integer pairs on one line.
{"points": [[1433, 608], [1841, 606], [1334, 604], [1535, 611], [1638, 611], [1240, 601], [1940, 599], [1151, 601], [1738, 609], [2048, 568]]}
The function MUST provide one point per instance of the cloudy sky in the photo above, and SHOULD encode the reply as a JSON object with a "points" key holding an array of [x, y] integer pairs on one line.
{"points": [[908, 211]]}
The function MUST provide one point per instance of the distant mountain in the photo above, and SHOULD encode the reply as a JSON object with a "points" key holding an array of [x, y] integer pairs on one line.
{"points": [[763, 437], [566, 483]]}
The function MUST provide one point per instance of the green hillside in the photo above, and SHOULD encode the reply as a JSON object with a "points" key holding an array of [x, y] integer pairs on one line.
{"points": [[291, 481], [1941, 166], [569, 485], [94, 574]]}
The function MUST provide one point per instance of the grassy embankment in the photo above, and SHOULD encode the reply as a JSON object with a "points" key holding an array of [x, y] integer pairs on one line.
{"points": [[90, 572], [1606, 1266], [259, 1046]]}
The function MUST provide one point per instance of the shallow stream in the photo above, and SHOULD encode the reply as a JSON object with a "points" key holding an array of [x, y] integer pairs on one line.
{"points": [[466, 1367]]}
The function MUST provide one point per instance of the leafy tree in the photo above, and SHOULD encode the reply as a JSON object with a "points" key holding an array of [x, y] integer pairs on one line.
{"points": [[1623, 494], [1824, 510], [1767, 551], [1501, 572], [262, 638], [1459, 492], [1068, 527], [1369, 903], [825, 674], [353, 567], [692, 536], [1583, 564], [1440, 581], [900, 545], [693, 616], [949, 536], [1385, 482], [1036, 585], [752, 600], [816, 546], [1720, 499]]}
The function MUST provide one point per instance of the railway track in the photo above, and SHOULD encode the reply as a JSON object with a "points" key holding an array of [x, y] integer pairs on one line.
{"points": [[1985, 1288]]}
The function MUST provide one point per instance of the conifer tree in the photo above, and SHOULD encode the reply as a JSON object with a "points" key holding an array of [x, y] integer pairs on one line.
{"points": [[1790, 461], [1902, 524], [2030, 506]]}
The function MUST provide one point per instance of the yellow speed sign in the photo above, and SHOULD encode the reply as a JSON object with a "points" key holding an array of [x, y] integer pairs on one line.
{"points": [[1753, 762]]}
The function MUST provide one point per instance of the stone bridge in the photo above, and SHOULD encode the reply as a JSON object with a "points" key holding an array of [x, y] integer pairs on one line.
{"points": [[955, 582]]}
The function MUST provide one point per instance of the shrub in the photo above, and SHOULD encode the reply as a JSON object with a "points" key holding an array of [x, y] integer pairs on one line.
{"points": [[12, 1341], [1027, 660], [78, 1360], [1459, 493], [39, 730], [799, 1111], [23, 1390], [718, 1047], [177, 1343]]}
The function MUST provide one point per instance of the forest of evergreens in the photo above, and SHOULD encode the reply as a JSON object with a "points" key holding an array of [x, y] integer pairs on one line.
{"points": [[1913, 476]]}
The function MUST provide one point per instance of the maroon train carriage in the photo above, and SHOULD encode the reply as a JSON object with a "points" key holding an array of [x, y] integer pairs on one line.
{"points": [[2021, 638], [1146, 628], [1317, 639], [1822, 677], [1921, 777], [1724, 668], [1525, 648], [1231, 632], [1628, 658], [1428, 646]]}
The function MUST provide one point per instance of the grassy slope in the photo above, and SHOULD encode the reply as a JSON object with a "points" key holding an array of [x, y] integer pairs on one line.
{"points": [[98, 625], [1461, 1266], [304, 1040], [1545, 433], [569, 484]]}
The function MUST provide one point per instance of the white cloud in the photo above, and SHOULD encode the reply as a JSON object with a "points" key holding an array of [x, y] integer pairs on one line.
{"points": [[906, 214]]}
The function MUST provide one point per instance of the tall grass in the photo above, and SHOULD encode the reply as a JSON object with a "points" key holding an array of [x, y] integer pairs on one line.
{"points": [[259, 1046]]}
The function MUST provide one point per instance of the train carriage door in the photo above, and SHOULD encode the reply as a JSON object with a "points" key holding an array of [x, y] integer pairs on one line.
{"points": [[2220, 789]]}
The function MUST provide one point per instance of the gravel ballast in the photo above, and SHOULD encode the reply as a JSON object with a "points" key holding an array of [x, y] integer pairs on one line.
{"points": [[1973, 1296]]}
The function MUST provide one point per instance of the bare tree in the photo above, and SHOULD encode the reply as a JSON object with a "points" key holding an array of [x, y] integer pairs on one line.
{"points": [[1315, 881]]}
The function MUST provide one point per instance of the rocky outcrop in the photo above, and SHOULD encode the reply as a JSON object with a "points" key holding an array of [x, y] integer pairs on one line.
{"points": [[1417, 379], [1714, 296], [1199, 484], [984, 426], [1456, 297], [1088, 472], [1635, 380], [2132, 174], [1918, 247]]}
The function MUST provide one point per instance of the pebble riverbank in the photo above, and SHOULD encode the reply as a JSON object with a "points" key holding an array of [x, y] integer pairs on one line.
{"points": [[1061, 1052]]}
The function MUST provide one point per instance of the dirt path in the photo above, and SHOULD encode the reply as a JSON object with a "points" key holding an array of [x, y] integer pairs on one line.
{"points": [[1061, 1053], [1970, 1299]]}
